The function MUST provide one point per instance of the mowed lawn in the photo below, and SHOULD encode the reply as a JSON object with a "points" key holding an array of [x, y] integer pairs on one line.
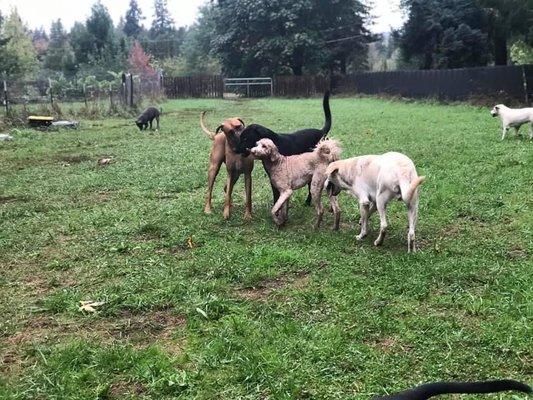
{"points": [[201, 308]]}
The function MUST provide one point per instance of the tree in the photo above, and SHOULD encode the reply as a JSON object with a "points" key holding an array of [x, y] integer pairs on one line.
{"points": [[100, 27], [81, 42], [269, 37], [132, 25], [164, 40], [508, 19], [163, 22], [444, 34], [139, 61], [59, 56], [19, 57]]}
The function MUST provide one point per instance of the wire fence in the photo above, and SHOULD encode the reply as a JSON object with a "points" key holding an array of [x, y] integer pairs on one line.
{"points": [[126, 92]]}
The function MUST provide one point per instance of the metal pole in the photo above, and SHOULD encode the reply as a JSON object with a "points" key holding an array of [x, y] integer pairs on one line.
{"points": [[131, 90], [6, 103], [247, 88], [271, 87], [51, 94]]}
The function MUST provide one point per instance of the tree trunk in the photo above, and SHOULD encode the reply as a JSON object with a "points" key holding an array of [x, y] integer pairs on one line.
{"points": [[500, 50]]}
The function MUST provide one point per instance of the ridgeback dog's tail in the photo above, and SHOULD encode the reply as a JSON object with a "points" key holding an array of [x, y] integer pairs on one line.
{"points": [[424, 392], [210, 135]]}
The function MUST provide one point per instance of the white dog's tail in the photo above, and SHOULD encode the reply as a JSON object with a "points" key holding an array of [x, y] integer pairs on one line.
{"points": [[328, 150], [408, 190]]}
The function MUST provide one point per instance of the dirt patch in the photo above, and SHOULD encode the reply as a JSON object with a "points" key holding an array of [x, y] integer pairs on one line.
{"points": [[120, 390], [388, 344], [139, 329], [516, 253], [263, 289], [10, 199], [74, 159]]}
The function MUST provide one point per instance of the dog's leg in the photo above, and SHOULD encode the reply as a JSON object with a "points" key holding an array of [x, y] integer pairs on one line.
{"points": [[412, 217], [504, 132], [334, 201], [215, 161], [233, 176], [248, 190], [283, 197], [531, 131], [316, 195], [309, 196], [157, 123], [151, 125], [364, 211], [382, 200], [516, 130]]}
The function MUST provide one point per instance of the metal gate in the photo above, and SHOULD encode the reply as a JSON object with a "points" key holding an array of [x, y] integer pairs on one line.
{"points": [[248, 87]]}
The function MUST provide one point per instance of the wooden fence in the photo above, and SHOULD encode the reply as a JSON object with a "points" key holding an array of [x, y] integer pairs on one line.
{"points": [[194, 86], [507, 83]]}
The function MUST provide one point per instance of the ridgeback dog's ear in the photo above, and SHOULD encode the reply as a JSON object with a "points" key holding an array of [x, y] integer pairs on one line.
{"points": [[242, 122], [219, 128]]}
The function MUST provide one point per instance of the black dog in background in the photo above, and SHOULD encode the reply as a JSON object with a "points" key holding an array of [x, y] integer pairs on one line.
{"points": [[289, 144], [147, 117], [424, 392]]}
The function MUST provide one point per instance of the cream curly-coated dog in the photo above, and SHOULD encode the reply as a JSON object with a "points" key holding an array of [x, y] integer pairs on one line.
{"points": [[288, 173], [376, 180]]}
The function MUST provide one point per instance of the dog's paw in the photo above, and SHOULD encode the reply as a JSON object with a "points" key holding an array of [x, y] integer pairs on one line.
{"points": [[226, 214], [208, 210], [359, 237], [378, 242]]}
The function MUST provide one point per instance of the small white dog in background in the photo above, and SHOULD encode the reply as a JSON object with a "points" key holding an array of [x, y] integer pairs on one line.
{"points": [[513, 118], [376, 180]]}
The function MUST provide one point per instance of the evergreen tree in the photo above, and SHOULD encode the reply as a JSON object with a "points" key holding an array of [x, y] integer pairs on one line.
{"points": [[163, 22], [444, 34], [19, 57], [132, 24], [60, 56], [100, 27]]}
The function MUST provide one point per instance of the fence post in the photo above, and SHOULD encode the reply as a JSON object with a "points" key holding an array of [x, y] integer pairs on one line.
{"points": [[110, 96], [6, 103], [51, 94], [272, 87], [131, 90], [85, 95]]}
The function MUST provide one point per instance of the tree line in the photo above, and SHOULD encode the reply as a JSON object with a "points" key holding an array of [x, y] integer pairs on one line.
{"points": [[271, 37]]}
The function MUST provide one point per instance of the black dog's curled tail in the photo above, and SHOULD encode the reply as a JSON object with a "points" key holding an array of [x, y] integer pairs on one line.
{"points": [[327, 113], [424, 392]]}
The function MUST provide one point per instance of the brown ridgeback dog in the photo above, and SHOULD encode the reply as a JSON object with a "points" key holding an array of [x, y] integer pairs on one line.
{"points": [[223, 151]]}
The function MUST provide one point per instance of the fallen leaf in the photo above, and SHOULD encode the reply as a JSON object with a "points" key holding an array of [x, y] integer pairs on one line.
{"points": [[89, 305]]}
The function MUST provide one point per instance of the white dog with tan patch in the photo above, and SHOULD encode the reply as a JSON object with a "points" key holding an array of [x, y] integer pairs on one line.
{"points": [[513, 118], [376, 180]]}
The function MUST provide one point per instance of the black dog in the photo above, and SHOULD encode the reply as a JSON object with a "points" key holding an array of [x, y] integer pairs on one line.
{"points": [[426, 391], [288, 144], [147, 117]]}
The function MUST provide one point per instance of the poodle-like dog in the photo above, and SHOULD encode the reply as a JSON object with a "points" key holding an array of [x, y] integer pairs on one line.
{"points": [[290, 144], [424, 392], [513, 118], [375, 180], [293, 172], [224, 140]]}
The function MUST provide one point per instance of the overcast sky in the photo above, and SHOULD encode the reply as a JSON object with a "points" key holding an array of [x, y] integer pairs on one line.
{"points": [[38, 13]]}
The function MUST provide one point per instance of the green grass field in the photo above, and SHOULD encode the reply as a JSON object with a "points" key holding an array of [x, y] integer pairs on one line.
{"points": [[201, 308]]}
